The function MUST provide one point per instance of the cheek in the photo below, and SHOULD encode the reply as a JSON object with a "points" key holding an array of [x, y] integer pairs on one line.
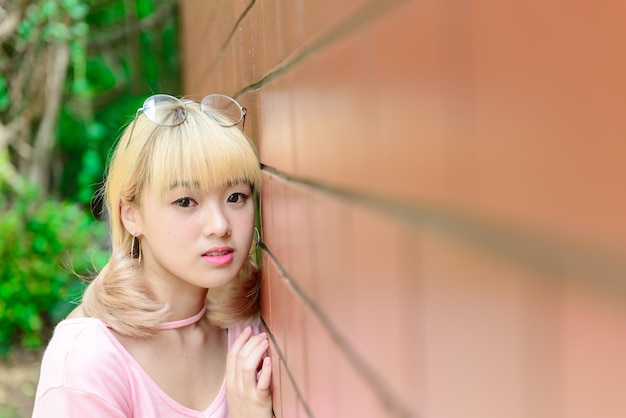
{"points": [[185, 229], [248, 220], [173, 228], [245, 224]]}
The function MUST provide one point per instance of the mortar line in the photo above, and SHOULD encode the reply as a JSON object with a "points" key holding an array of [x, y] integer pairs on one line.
{"points": [[386, 396], [222, 50], [372, 9], [282, 357], [538, 249]]}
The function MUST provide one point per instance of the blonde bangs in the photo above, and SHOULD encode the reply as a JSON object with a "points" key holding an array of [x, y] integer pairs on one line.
{"points": [[201, 155]]}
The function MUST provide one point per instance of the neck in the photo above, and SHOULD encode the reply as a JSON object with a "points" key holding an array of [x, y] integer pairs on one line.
{"points": [[181, 309], [184, 300], [184, 322]]}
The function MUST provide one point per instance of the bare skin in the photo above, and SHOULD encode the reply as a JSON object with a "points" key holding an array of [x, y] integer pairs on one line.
{"points": [[188, 364]]}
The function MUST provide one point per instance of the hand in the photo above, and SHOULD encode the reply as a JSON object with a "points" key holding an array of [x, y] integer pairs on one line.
{"points": [[247, 387]]}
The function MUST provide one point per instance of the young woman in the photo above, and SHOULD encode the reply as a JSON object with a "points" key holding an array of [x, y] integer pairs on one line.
{"points": [[169, 327]]}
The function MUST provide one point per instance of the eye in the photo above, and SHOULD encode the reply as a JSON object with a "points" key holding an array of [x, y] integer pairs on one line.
{"points": [[237, 198], [185, 202]]}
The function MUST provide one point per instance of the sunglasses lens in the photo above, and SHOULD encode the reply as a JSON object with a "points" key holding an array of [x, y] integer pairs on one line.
{"points": [[165, 110], [225, 110]]}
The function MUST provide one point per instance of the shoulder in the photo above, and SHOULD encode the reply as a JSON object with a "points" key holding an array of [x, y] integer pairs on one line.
{"points": [[82, 354], [78, 337], [78, 312]]}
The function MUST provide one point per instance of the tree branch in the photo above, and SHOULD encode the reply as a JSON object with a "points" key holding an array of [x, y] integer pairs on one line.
{"points": [[120, 34], [9, 20], [44, 140]]}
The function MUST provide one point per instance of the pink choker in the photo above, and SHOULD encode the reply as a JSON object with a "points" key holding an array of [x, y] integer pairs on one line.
{"points": [[183, 322]]}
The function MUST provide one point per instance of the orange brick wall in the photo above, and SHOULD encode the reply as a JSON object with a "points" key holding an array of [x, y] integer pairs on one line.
{"points": [[443, 204]]}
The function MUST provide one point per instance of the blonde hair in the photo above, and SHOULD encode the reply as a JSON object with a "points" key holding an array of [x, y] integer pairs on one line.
{"points": [[198, 149]]}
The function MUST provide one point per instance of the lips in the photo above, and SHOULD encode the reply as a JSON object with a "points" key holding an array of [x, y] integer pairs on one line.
{"points": [[216, 253], [219, 256]]}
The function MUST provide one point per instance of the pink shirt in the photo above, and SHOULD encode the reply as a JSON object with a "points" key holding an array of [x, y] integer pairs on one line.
{"points": [[86, 372]]}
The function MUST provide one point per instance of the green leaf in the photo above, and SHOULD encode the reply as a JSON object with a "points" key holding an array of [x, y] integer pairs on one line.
{"points": [[5, 97], [80, 86], [80, 29]]}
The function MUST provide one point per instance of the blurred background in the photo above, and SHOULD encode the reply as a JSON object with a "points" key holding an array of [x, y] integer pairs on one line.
{"points": [[72, 74]]}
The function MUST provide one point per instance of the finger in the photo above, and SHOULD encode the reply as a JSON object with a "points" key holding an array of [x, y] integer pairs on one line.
{"points": [[265, 378], [250, 364], [239, 358], [249, 346], [235, 348], [241, 339]]}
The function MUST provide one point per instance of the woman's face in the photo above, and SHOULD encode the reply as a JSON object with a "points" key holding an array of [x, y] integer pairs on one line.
{"points": [[198, 239]]}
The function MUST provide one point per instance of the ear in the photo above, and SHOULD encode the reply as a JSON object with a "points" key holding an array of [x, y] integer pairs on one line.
{"points": [[129, 216]]}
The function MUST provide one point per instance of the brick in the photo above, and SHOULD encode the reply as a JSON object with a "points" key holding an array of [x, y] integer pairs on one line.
{"points": [[594, 341], [473, 310]]}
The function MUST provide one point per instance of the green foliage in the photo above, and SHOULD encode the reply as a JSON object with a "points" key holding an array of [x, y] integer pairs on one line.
{"points": [[4, 94], [43, 243], [120, 52], [50, 17], [110, 77], [85, 146], [9, 411]]}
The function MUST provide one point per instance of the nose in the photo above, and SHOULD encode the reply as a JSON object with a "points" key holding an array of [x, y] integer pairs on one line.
{"points": [[216, 221]]}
